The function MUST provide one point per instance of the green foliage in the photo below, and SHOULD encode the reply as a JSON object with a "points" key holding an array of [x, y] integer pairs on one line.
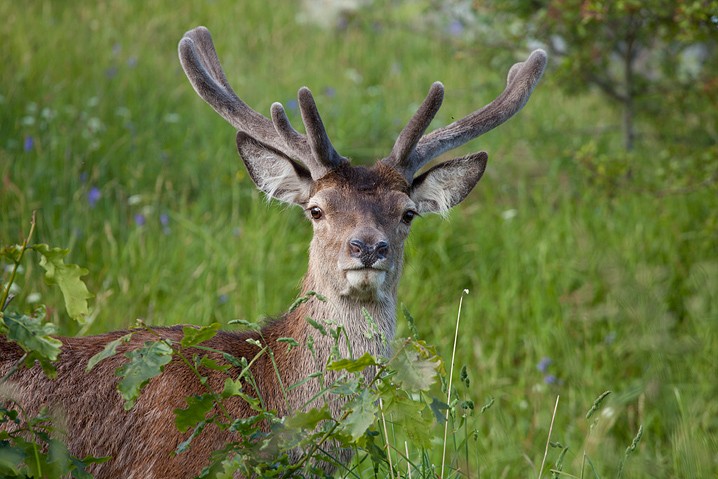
{"points": [[30, 451], [652, 58], [143, 364], [109, 350], [601, 260], [67, 278], [34, 335], [28, 444]]}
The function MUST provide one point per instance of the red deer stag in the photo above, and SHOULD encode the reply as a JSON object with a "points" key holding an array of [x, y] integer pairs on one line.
{"points": [[361, 217]]}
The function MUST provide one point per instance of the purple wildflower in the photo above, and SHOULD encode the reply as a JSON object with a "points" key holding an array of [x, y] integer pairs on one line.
{"points": [[455, 28], [29, 143], [331, 92], [165, 222], [292, 105], [550, 379], [140, 219], [544, 363], [93, 196]]}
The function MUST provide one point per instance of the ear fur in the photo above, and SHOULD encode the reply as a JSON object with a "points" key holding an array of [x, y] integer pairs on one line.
{"points": [[273, 172], [447, 184]]}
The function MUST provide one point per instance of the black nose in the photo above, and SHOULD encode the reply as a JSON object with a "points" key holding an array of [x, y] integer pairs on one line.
{"points": [[368, 254]]}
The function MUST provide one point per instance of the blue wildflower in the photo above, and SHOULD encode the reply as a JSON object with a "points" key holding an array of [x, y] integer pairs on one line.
{"points": [[550, 379], [93, 196], [292, 105], [29, 143], [455, 28], [544, 363], [165, 222], [140, 219]]}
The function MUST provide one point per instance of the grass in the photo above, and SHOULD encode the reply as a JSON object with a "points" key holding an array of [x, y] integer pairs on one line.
{"points": [[614, 280]]}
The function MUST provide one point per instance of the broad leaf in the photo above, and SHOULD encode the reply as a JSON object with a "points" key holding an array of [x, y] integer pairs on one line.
{"points": [[109, 351], [412, 418], [195, 413], [144, 364], [308, 420], [416, 370], [363, 412], [33, 334], [67, 277], [194, 335], [353, 365]]}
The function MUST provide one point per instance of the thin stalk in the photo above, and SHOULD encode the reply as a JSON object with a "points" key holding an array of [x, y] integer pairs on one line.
{"points": [[451, 379], [6, 293], [408, 463], [386, 437], [548, 439]]}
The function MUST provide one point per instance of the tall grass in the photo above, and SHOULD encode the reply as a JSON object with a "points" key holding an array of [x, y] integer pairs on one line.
{"points": [[612, 281]]}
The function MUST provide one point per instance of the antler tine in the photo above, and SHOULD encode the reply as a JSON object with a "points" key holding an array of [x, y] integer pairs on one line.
{"points": [[403, 152], [521, 80], [296, 140], [324, 153], [201, 65]]}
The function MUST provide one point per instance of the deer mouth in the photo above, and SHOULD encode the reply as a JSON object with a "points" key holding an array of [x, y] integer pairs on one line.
{"points": [[365, 278]]}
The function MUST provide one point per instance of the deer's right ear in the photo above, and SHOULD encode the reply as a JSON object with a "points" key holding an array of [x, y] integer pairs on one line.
{"points": [[278, 176]]}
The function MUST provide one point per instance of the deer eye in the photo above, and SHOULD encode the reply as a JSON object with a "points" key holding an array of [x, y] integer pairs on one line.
{"points": [[315, 212], [408, 216]]}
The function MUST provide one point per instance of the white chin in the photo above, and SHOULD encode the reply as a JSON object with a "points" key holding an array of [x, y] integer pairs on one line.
{"points": [[364, 282]]}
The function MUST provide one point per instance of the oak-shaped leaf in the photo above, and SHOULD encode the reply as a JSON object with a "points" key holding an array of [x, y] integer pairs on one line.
{"points": [[353, 365], [196, 411], [362, 414], [308, 420], [194, 335], [108, 351], [416, 367], [34, 336], [144, 364], [67, 278]]}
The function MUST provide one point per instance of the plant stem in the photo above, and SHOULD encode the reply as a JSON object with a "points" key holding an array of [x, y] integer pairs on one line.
{"points": [[451, 379], [548, 439], [3, 300]]}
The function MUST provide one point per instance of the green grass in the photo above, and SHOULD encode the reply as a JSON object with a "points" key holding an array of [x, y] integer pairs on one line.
{"points": [[615, 280]]}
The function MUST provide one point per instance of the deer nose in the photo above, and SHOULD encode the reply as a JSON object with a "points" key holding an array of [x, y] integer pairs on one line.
{"points": [[368, 254]]}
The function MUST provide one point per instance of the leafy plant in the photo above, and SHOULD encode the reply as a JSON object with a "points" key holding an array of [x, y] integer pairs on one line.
{"points": [[28, 447]]}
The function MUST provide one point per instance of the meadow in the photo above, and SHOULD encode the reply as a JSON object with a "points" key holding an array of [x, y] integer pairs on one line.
{"points": [[582, 278]]}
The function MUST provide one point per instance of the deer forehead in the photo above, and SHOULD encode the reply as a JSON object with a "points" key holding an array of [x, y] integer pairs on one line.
{"points": [[379, 192]]}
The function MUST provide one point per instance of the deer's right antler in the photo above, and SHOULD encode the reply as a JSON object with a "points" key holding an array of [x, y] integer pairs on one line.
{"points": [[201, 65], [412, 150]]}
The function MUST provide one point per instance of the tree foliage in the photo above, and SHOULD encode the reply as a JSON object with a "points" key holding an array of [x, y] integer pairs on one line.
{"points": [[657, 59]]}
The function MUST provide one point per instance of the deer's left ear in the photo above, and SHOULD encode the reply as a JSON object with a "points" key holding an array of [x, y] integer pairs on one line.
{"points": [[447, 184]]}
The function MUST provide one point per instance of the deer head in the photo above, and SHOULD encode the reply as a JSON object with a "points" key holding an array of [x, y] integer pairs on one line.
{"points": [[361, 216]]}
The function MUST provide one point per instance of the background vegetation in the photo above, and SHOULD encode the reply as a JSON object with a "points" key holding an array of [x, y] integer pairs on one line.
{"points": [[590, 267]]}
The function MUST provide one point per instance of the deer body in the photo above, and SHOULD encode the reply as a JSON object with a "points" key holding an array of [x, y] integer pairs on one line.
{"points": [[361, 217]]}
